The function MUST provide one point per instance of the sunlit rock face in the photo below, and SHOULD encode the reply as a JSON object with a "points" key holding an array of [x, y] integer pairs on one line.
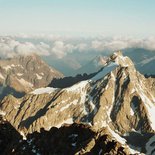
{"points": [[117, 98], [26, 73]]}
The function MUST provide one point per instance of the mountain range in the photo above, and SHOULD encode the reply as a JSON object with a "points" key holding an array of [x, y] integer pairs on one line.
{"points": [[117, 101], [79, 63]]}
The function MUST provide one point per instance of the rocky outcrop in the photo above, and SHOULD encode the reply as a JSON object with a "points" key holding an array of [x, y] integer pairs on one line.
{"points": [[9, 137], [25, 73], [75, 139], [118, 98]]}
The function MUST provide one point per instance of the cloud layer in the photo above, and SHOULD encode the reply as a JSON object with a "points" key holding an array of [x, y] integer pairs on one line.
{"points": [[59, 47]]}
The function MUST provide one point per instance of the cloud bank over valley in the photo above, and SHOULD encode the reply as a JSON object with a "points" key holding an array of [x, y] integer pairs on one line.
{"points": [[60, 46]]}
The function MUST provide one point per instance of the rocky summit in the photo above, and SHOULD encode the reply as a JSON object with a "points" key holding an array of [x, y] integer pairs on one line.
{"points": [[117, 99], [25, 73]]}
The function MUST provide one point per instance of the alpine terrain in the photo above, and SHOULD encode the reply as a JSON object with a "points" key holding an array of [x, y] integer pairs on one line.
{"points": [[25, 73], [113, 112]]}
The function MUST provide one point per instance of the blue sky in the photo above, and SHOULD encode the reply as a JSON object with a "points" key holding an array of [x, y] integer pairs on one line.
{"points": [[109, 17]]}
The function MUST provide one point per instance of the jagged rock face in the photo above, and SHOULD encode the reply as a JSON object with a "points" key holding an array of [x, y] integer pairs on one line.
{"points": [[118, 97], [25, 73], [75, 139]]}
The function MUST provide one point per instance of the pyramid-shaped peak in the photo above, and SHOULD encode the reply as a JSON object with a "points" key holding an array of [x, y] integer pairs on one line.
{"points": [[121, 60]]}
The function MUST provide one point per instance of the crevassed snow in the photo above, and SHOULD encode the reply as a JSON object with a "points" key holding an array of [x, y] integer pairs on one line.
{"points": [[47, 90], [148, 146], [107, 69]]}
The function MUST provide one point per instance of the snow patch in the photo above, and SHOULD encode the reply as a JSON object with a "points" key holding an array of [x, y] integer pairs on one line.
{"points": [[134, 150], [132, 109], [117, 136], [39, 77], [77, 87], [107, 69], [25, 83], [149, 106], [12, 65], [131, 112], [122, 60], [3, 113], [19, 74], [68, 105], [7, 67], [47, 90], [1, 76], [68, 121], [22, 134]]}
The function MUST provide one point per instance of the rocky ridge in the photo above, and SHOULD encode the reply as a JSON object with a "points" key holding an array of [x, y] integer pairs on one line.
{"points": [[76, 139], [118, 98]]}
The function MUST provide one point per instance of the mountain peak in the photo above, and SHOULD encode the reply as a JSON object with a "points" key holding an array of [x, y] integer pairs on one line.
{"points": [[116, 54], [26, 72], [121, 60], [117, 98]]}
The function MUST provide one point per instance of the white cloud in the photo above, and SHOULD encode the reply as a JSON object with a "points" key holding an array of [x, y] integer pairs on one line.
{"points": [[59, 47], [123, 43], [10, 47]]}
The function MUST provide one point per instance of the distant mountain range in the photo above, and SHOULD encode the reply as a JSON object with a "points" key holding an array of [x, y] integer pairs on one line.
{"points": [[144, 60], [94, 65], [80, 63]]}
